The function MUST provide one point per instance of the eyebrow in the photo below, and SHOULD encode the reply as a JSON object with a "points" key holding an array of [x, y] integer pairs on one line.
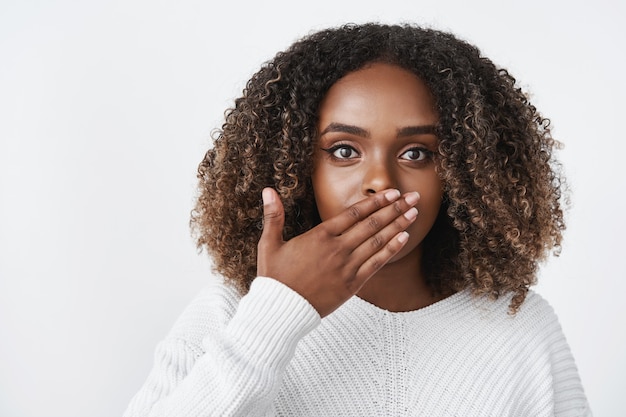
{"points": [[417, 130], [342, 128], [359, 131]]}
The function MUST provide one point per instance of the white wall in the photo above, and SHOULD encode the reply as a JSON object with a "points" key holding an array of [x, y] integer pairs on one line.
{"points": [[106, 109]]}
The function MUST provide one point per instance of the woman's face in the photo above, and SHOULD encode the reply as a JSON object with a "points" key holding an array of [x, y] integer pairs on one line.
{"points": [[377, 131]]}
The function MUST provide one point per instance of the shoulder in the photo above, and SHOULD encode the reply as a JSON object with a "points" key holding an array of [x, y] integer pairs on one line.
{"points": [[536, 308], [537, 322], [534, 313], [207, 313], [528, 347], [535, 316], [546, 357], [534, 331], [218, 304]]}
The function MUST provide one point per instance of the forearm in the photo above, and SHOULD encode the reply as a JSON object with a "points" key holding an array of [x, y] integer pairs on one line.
{"points": [[240, 371]]}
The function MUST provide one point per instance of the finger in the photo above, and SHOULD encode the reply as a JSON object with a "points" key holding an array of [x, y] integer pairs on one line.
{"points": [[400, 214], [380, 240], [273, 218], [359, 211], [380, 258]]}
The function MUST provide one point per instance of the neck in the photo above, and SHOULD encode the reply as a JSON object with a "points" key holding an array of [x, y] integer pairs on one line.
{"points": [[400, 285]]}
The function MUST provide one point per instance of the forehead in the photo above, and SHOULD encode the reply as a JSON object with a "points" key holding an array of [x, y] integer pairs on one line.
{"points": [[379, 92]]}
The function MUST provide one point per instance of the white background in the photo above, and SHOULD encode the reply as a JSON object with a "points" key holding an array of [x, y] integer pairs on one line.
{"points": [[106, 108]]}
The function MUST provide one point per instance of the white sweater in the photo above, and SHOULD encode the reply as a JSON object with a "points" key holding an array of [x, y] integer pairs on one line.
{"points": [[269, 354]]}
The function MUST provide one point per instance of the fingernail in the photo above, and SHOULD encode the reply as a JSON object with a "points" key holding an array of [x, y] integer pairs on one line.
{"points": [[268, 196], [403, 237], [411, 213], [392, 195], [412, 198]]}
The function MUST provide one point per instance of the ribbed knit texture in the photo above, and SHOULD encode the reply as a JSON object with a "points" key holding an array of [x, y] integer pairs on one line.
{"points": [[269, 354]]}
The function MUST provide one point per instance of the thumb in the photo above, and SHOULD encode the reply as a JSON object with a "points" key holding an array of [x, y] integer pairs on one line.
{"points": [[273, 217]]}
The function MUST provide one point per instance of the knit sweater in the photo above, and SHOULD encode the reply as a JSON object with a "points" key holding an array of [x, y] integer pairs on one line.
{"points": [[269, 354]]}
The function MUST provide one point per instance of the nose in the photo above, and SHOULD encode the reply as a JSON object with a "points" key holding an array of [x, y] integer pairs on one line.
{"points": [[378, 176]]}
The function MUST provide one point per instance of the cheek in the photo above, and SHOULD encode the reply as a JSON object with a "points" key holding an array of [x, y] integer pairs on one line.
{"points": [[430, 199], [334, 191], [431, 192], [431, 202], [428, 208], [427, 215]]}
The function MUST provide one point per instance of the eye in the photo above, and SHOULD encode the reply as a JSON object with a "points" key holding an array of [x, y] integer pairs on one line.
{"points": [[342, 152], [416, 154]]}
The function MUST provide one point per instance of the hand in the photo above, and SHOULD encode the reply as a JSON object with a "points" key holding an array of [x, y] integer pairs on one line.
{"points": [[330, 263]]}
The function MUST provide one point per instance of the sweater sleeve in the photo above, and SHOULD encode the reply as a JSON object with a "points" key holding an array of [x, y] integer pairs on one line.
{"points": [[238, 368], [552, 385], [569, 396]]}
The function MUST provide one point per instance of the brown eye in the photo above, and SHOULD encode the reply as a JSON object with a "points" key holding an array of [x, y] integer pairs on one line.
{"points": [[343, 152], [416, 154]]}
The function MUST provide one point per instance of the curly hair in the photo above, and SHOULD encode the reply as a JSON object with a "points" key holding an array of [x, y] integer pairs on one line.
{"points": [[502, 209]]}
